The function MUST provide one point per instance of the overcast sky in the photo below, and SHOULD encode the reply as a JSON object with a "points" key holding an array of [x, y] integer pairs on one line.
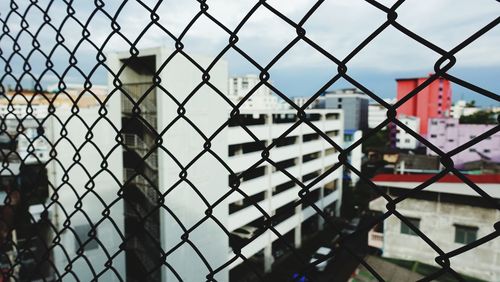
{"points": [[337, 26]]}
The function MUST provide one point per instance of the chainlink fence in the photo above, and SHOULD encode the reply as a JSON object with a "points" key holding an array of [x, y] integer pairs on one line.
{"points": [[31, 44]]}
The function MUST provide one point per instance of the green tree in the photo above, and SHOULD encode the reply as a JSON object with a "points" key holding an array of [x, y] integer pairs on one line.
{"points": [[481, 117], [471, 104]]}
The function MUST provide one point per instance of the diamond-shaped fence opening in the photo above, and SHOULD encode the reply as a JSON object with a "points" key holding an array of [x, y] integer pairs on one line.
{"points": [[173, 171]]}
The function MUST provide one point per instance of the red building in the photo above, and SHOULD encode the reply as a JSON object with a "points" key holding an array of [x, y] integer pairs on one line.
{"points": [[433, 101]]}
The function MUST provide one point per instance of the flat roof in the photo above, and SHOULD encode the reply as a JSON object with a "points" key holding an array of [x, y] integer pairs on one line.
{"points": [[449, 178]]}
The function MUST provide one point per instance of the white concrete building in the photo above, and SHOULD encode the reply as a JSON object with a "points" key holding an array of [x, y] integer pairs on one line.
{"points": [[403, 139], [356, 155], [262, 99], [160, 172], [302, 153], [460, 108], [82, 184], [450, 213], [300, 101], [377, 113]]}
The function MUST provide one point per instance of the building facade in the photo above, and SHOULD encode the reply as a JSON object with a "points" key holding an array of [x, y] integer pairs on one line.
{"points": [[261, 99], [461, 108], [302, 153], [354, 103], [447, 134], [433, 101], [150, 113], [377, 113], [405, 140], [49, 180], [450, 213]]}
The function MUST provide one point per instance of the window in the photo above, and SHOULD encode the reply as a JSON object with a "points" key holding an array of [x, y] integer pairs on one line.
{"points": [[340, 100], [451, 140], [486, 150], [405, 229], [465, 234], [433, 136], [82, 232], [407, 140], [339, 107]]}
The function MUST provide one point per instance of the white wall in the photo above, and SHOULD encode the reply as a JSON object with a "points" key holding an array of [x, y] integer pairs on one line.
{"points": [[404, 139], [104, 189], [267, 132], [437, 222]]}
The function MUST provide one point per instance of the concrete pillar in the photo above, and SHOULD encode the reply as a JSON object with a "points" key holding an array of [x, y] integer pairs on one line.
{"points": [[298, 227], [268, 249], [321, 220], [298, 209]]}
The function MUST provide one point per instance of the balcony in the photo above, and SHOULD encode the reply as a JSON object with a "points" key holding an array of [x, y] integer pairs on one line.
{"points": [[375, 239]]}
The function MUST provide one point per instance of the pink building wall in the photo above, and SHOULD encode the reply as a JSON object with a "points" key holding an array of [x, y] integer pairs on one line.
{"points": [[447, 134], [433, 101]]}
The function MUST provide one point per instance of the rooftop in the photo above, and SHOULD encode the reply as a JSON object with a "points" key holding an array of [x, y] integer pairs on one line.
{"points": [[449, 178]]}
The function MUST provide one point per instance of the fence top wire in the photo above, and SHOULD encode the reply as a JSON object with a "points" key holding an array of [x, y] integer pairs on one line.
{"points": [[21, 43]]}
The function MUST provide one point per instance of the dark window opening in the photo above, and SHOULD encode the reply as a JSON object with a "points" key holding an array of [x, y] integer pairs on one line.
{"points": [[405, 229], [465, 234], [310, 176], [310, 157], [282, 187], [311, 198], [332, 116], [284, 118], [284, 164], [285, 141], [246, 202], [330, 187], [247, 120], [313, 117], [254, 173], [310, 137]]}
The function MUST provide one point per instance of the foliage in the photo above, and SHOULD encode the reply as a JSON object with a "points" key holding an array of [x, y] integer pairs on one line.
{"points": [[481, 117]]}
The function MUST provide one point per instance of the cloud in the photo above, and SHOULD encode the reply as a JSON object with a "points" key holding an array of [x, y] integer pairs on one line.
{"points": [[337, 26]]}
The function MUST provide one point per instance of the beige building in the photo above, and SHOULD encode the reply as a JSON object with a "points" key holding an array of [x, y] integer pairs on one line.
{"points": [[450, 213]]}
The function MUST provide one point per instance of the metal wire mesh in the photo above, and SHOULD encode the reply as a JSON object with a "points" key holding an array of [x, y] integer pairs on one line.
{"points": [[21, 41]]}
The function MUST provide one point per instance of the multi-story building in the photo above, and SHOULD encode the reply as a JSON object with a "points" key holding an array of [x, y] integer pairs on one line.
{"points": [[317, 103], [462, 108], [447, 134], [261, 99], [405, 140], [302, 153], [377, 113], [56, 169], [431, 102], [354, 103], [449, 213]]}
